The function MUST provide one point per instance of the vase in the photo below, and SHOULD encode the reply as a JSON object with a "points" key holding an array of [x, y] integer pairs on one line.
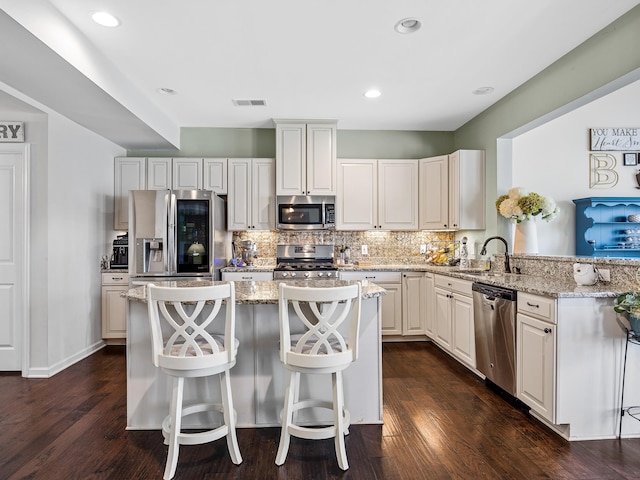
{"points": [[526, 237]]}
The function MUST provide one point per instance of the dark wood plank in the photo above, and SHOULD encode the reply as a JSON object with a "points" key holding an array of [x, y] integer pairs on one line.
{"points": [[441, 423]]}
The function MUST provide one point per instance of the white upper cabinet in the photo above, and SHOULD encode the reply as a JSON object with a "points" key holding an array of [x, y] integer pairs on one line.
{"points": [[357, 198], [215, 175], [377, 194], [187, 174], [467, 190], [159, 173], [452, 191], [305, 158], [434, 193], [130, 174], [251, 199], [398, 194]]}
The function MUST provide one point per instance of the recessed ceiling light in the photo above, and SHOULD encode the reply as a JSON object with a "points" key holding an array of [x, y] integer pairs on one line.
{"points": [[483, 91], [105, 19], [408, 25], [373, 93], [167, 91]]}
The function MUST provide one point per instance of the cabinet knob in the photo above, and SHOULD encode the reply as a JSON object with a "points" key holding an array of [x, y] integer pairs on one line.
{"points": [[547, 330]]}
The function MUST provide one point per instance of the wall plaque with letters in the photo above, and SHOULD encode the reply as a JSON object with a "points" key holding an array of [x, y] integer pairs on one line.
{"points": [[11, 131], [615, 139]]}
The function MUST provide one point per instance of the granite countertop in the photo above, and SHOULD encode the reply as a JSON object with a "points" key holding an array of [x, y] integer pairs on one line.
{"points": [[555, 287], [261, 292]]}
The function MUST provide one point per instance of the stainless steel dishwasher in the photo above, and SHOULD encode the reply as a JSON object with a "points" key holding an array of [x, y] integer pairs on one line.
{"points": [[494, 310]]}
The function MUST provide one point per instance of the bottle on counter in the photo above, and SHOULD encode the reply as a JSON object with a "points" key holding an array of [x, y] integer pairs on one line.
{"points": [[347, 255], [464, 254]]}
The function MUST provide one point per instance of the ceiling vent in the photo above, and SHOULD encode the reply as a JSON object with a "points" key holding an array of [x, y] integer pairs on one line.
{"points": [[249, 103]]}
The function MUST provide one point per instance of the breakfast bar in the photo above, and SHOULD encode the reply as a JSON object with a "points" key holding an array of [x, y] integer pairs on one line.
{"points": [[258, 379]]}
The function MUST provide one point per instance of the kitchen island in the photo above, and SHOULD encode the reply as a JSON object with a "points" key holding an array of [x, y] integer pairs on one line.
{"points": [[258, 379]]}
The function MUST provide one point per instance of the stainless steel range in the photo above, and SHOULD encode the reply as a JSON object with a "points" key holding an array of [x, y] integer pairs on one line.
{"points": [[304, 261]]}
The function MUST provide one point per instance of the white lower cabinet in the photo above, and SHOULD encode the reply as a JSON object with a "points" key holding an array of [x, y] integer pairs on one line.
{"points": [[246, 276], [453, 329], [414, 303], [114, 307], [536, 353], [430, 303], [391, 302]]}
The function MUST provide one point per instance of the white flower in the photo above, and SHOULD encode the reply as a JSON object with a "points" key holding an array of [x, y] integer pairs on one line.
{"points": [[520, 205]]}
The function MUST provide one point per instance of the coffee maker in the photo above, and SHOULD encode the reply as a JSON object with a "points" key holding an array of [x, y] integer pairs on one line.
{"points": [[120, 255]]}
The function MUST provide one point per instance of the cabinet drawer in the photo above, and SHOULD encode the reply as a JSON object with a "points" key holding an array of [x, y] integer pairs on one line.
{"points": [[454, 284], [246, 276], [536, 306], [115, 278], [376, 277]]}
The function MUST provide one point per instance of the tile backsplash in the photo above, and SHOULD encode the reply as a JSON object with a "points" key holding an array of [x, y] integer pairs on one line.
{"points": [[384, 247]]}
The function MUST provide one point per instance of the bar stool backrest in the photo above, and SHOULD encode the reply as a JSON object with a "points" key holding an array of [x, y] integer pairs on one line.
{"points": [[189, 312], [318, 341]]}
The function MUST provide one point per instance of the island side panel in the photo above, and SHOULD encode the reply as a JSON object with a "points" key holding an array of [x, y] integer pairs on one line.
{"points": [[362, 380], [149, 389]]}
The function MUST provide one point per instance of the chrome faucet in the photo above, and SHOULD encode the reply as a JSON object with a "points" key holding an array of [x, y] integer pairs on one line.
{"points": [[507, 267]]}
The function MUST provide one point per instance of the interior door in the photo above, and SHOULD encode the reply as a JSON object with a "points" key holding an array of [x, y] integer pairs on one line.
{"points": [[13, 254]]}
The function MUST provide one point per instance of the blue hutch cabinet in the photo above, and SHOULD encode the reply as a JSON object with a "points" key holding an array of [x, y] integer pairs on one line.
{"points": [[603, 228]]}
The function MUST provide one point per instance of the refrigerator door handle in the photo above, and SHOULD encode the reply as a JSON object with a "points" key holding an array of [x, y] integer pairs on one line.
{"points": [[171, 234]]}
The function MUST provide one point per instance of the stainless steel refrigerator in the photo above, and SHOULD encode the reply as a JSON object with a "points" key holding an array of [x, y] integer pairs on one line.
{"points": [[177, 233]]}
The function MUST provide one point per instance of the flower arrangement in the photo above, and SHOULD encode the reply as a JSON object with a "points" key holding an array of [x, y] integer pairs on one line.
{"points": [[519, 205], [628, 305]]}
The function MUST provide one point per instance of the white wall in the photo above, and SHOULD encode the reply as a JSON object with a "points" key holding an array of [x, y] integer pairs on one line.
{"points": [[71, 227], [80, 229], [553, 159]]}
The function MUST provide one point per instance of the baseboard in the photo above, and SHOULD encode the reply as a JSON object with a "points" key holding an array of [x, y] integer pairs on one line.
{"points": [[47, 372]]}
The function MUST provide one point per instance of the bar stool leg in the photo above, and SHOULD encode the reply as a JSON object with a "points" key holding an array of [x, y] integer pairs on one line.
{"points": [[176, 425], [338, 409], [287, 416], [229, 415]]}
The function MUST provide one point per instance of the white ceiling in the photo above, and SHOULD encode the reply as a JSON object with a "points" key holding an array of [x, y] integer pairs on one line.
{"points": [[307, 58]]}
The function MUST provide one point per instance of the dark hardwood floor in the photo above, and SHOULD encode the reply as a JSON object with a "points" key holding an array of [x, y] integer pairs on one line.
{"points": [[441, 422]]}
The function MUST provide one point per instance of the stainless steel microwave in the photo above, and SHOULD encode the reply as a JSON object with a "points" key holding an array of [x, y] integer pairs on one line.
{"points": [[306, 213]]}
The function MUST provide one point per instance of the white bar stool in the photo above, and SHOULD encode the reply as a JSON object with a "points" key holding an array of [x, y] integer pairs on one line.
{"points": [[320, 348], [191, 351]]}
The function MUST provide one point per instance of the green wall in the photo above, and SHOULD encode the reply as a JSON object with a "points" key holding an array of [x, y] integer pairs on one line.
{"points": [[261, 143], [608, 60]]}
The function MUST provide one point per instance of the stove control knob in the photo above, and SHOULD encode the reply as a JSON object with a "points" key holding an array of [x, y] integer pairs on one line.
{"points": [[321, 274], [307, 274], [285, 274], [329, 274], [293, 274]]}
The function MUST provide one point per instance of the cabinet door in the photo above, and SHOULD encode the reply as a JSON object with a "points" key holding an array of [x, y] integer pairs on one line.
{"points": [[215, 175], [158, 173], [263, 209], [291, 159], [321, 159], [430, 304], [392, 309], [187, 174], [239, 197], [413, 303], [357, 198], [536, 359], [130, 174], [443, 333], [398, 194], [464, 340], [467, 190], [434, 193], [114, 312]]}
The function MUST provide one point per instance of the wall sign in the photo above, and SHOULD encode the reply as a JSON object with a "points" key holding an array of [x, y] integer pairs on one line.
{"points": [[615, 139], [602, 173], [11, 131]]}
